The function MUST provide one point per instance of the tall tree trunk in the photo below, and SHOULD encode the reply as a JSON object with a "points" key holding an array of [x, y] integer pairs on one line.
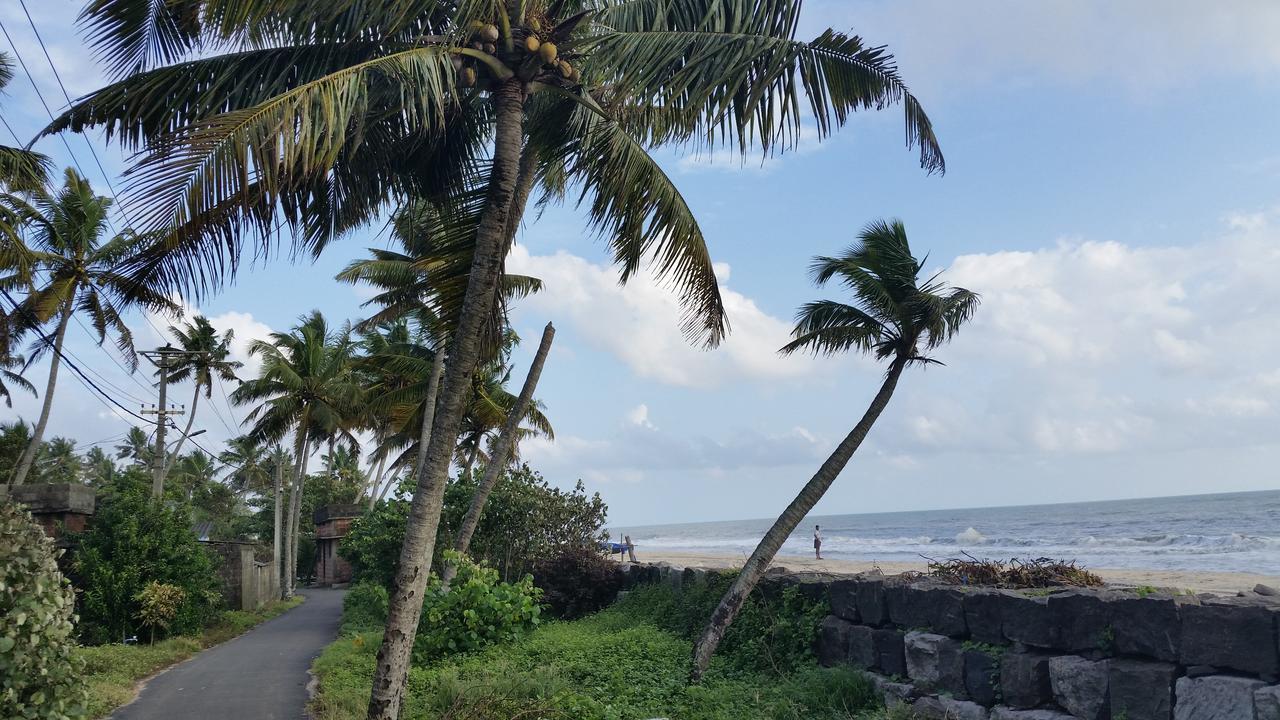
{"points": [[787, 522], [501, 451], [29, 455], [295, 490], [375, 476], [428, 416], [172, 458], [405, 607], [276, 544]]}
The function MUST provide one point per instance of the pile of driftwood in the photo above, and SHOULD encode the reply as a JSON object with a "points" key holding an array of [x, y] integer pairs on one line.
{"points": [[1016, 573]]}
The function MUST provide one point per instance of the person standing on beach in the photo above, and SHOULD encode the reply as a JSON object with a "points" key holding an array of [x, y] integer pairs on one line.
{"points": [[817, 541]]}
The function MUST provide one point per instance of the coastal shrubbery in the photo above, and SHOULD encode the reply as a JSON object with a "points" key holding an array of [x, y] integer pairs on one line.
{"points": [[39, 674], [576, 582]]}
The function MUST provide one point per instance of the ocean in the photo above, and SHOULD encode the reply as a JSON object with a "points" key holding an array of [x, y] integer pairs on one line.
{"points": [[1235, 532]]}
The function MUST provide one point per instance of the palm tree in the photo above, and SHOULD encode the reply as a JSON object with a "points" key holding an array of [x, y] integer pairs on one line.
{"points": [[205, 359], [137, 447], [100, 467], [20, 169], [247, 465], [59, 462], [8, 376], [894, 317], [305, 385], [370, 102], [79, 274]]}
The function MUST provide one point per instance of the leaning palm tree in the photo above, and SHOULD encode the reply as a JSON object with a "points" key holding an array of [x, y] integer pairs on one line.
{"points": [[305, 386], [74, 271], [207, 358], [323, 115], [895, 317]]}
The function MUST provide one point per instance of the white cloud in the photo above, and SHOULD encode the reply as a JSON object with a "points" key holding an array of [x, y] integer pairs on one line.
{"points": [[639, 416], [640, 323]]}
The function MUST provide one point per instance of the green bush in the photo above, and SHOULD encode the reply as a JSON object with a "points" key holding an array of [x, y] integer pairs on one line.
{"points": [[364, 608], [39, 676], [134, 541], [159, 604], [476, 611], [576, 582], [526, 519]]}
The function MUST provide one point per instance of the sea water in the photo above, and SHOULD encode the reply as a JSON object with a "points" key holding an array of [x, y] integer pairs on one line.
{"points": [[1236, 532]]}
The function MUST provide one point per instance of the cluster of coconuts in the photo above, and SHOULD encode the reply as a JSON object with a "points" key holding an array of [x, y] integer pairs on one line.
{"points": [[485, 40]]}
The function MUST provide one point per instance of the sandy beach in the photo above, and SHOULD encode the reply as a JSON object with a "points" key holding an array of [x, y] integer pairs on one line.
{"points": [[1225, 583]]}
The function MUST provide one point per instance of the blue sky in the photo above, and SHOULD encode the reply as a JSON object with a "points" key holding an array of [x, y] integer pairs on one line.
{"points": [[1113, 191]]}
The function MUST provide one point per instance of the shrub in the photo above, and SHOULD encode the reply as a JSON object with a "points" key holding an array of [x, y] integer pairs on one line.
{"points": [[364, 608], [134, 541], [476, 611], [158, 605], [576, 582], [373, 542], [39, 676]]}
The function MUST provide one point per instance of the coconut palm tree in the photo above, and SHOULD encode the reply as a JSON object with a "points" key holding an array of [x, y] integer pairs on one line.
{"points": [[206, 359], [74, 271], [20, 169], [305, 385], [894, 317], [136, 447], [324, 115], [8, 377], [247, 467], [100, 467]]}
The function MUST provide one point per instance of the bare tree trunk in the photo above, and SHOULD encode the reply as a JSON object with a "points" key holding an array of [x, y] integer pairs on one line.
{"points": [[295, 491], [37, 434], [501, 451], [405, 607], [787, 522], [276, 544], [173, 457], [375, 475], [428, 415]]}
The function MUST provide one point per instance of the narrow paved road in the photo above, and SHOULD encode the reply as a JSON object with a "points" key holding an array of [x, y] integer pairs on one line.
{"points": [[261, 675]]}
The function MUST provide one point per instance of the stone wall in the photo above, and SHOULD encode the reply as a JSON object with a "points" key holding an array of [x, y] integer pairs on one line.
{"points": [[966, 653], [57, 508], [248, 576]]}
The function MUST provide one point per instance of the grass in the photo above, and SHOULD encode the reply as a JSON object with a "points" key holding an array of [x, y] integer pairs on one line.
{"points": [[112, 672], [615, 665]]}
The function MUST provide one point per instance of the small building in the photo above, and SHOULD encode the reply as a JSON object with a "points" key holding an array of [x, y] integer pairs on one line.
{"points": [[58, 508], [332, 524]]}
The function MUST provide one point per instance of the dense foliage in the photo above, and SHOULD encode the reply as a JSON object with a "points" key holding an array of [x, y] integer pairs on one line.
{"points": [[39, 677], [612, 665], [134, 541], [577, 581], [525, 520]]}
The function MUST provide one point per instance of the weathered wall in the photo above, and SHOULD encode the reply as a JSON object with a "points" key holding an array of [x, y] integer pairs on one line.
{"points": [[966, 653], [248, 576]]}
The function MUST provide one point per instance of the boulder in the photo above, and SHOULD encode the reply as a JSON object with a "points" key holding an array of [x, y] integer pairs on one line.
{"points": [[694, 577], [982, 676], [1080, 686], [1215, 697], [1007, 713], [889, 647], [892, 693], [1266, 590], [1266, 702], [1148, 626], [832, 647], [869, 596], [843, 598], [1228, 633], [1024, 680], [935, 662], [862, 647], [941, 707], [928, 607], [1142, 690], [982, 615], [1025, 619], [1082, 622]]}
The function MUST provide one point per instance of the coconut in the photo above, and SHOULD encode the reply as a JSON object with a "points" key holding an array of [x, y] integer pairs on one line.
{"points": [[575, 77], [547, 51], [489, 33], [467, 77], [532, 43], [477, 45], [566, 70], [490, 48]]}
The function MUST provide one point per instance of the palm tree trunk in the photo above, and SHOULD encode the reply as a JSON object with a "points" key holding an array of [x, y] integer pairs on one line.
{"points": [[787, 522], [428, 416], [375, 479], [501, 451], [405, 607], [29, 455], [173, 458], [275, 526], [295, 489]]}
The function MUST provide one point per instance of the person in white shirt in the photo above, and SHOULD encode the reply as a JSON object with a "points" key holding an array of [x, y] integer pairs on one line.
{"points": [[817, 541]]}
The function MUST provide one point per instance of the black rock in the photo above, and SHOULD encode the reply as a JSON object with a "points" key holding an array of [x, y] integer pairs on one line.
{"points": [[982, 677], [869, 596], [1026, 620], [832, 646], [1024, 680], [1142, 690], [1147, 626], [1082, 621], [843, 596], [1240, 635], [982, 616], [890, 652]]}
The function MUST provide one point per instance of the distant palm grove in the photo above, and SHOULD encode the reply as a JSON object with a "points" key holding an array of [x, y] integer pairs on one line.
{"points": [[254, 125]]}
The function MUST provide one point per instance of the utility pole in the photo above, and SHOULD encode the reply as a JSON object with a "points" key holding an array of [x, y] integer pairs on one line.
{"points": [[164, 359]]}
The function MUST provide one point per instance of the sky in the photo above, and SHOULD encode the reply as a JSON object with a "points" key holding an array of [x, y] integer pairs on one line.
{"points": [[1112, 191]]}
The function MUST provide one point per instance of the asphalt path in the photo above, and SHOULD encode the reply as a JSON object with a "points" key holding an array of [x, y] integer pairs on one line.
{"points": [[261, 675]]}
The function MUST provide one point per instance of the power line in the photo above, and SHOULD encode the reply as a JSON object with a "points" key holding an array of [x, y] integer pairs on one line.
{"points": [[123, 369]]}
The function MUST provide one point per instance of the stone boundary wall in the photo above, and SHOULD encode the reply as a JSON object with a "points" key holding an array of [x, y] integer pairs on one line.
{"points": [[248, 577], [969, 653]]}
